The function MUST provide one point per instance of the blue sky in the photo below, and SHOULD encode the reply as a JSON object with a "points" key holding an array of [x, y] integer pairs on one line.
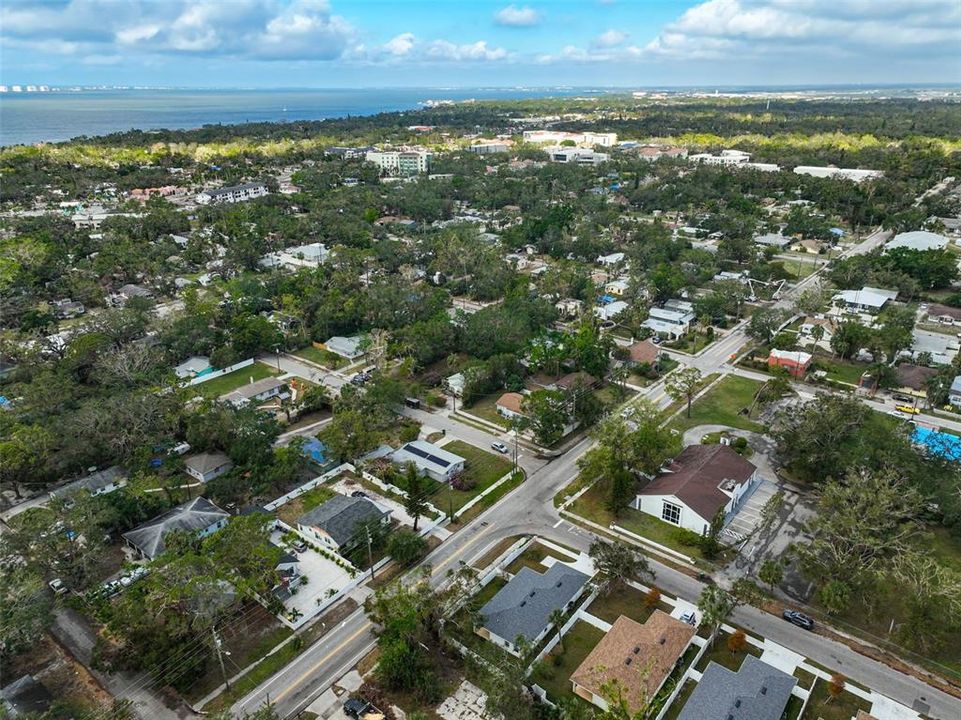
{"points": [[376, 43]]}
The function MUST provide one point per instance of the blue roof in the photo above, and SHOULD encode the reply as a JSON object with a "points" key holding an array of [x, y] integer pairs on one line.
{"points": [[837, 231], [938, 443], [606, 299]]}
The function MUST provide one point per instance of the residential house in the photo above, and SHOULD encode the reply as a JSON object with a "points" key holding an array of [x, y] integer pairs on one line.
{"points": [[232, 194], [913, 379], [756, 691], [775, 240], [866, 300], [616, 287], [672, 321], [643, 353], [807, 331], [944, 314], [348, 348], [523, 607], [638, 657], [25, 697], [430, 460], [611, 260], [199, 516], [256, 392], [311, 255], [794, 361], [338, 522], [920, 240], [128, 292], [575, 380], [455, 384], [192, 367], [954, 393], [611, 310], [569, 308], [509, 405], [207, 466], [67, 308], [99, 482], [700, 482], [288, 575]]}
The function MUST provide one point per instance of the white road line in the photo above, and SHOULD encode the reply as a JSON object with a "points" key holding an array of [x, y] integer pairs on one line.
{"points": [[558, 522]]}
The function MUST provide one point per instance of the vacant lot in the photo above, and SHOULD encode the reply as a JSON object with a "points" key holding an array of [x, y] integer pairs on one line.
{"points": [[321, 357], [534, 556], [295, 507], [625, 600], [724, 404], [844, 707], [719, 653], [482, 469], [231, 381]]}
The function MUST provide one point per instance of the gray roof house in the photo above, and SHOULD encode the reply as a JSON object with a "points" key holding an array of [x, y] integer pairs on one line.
{"points": [[336, 521], [99, 482], [207, 465], [256, 391], [346, 347], [756, 691], [25, 696], [198, 516], [954, 394], [192, 367], [523, 607]]}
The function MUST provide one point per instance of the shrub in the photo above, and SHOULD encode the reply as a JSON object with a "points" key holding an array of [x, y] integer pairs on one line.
{"points": [[685, 537], [409, 431], [740, 443], [464, 482]]}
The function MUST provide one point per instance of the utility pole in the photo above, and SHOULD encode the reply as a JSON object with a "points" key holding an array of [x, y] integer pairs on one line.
{"points": [[370, 552], [220, 657], [450, 499]]}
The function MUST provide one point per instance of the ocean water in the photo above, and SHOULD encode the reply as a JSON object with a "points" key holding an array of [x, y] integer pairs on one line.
{"points": [[27, 118]]}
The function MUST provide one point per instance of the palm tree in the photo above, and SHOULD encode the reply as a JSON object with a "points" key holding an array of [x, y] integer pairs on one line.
{"points": [[556, 619]]}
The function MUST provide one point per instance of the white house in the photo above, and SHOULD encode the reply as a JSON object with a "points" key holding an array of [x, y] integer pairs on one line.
{"points": [[775, 240], [611, 260], [569, 308], [611, 310], [192, 367], [256, 392], [673, 321], [701, 481], [207, 466], [339, 522], [616, 287], [198, 516], [430, 460], [954, 393], [346, 347], [867, 299], [99, 482]]}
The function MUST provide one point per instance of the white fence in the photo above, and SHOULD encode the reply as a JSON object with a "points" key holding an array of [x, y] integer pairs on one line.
{"points": [[219, 373]]}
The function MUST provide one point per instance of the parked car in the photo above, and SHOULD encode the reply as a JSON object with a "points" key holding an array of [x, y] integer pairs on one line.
{"points": [[298, 545], [359, 494], [902, 398], [799, 619], [356, 708], [689, 617], [57, 586]]}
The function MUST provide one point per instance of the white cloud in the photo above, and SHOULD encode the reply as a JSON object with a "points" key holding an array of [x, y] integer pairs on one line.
{"points": [[401, 44], [444, 50], [609, 39], [514, 16], [727, 29]]}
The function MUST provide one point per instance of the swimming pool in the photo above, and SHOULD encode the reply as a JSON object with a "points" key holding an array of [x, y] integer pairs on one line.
{"points": [[939, 443]]}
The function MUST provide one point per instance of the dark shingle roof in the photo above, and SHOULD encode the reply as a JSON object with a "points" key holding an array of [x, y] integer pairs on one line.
{"points": [[696, 475], [522, 608], [26, 696], [94, 481], [193, 516], [341, 516], [756, 691]]}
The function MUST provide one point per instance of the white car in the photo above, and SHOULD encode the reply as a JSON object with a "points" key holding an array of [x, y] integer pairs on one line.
{"points": [[57, 586], [500, 447]]}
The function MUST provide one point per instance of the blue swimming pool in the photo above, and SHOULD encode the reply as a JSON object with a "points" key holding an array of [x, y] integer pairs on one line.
{"points": [[939, 443]]}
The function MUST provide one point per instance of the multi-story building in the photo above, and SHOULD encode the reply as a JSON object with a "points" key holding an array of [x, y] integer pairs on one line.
{"points": [[557, 136], [233, 194], [581, 156], [401, 162]]}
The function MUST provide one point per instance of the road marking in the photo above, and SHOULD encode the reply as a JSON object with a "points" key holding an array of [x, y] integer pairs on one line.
{"points": [[316, 666], [463, 549], [558, 522]]}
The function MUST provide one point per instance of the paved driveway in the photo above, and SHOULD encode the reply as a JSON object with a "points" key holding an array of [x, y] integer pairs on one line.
{"points": [[749, 516]]}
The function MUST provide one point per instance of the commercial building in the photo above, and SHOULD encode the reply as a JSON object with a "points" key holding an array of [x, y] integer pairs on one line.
{"points": [[867, 299], [233, 194], [725, 157], [578, 155], [794, 361], [835, 172], [920, 240], [556, 137], [401, 162]]}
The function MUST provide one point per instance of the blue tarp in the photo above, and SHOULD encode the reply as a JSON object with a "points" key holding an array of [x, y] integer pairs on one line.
{"points": [[605, 299], [939, 443], [315, 450]]}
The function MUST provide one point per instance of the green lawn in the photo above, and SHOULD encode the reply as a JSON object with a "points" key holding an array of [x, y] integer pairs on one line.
{"points": [[722, 656], [592, 505], [680, 700], [295, 507], [691, 343], [231, 381], [554, 673], [822, 706], [321, 357], [482, 467], [722, 405], [845, 371], [533, 558], [486, 408], [627, 601]]}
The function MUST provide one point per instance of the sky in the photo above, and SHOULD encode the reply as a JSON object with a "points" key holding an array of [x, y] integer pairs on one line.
{"points": [[471, 43]]}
